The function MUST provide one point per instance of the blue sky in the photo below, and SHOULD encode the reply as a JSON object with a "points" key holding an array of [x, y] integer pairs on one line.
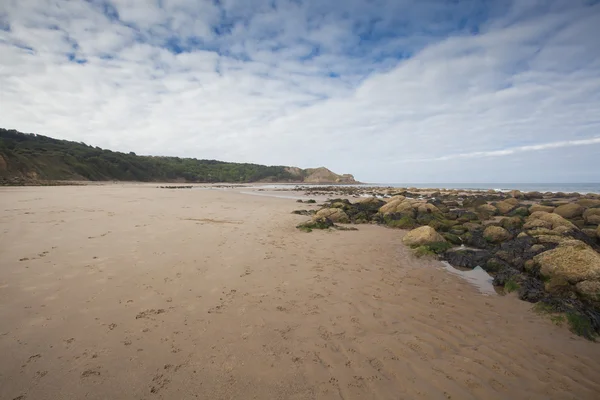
{"points": [[391, 91]]}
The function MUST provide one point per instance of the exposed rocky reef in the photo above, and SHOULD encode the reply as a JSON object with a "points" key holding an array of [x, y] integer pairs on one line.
{"points": [[544, 246]]}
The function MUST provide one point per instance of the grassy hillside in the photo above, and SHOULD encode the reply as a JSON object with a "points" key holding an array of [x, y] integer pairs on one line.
{"points": [[26, 158]]}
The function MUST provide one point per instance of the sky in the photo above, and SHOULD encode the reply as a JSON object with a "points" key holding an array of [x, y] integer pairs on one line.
{"points": [[388, 90]]}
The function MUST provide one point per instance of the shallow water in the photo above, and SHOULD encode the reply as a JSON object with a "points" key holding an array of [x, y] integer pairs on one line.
{"points": [[477, 277]]}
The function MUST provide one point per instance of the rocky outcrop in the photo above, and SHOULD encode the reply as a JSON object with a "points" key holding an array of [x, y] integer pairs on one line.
{"points": [[422, 236], [323, 175], [533, 250]]}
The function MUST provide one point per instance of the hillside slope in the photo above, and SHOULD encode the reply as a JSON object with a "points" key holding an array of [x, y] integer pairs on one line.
{"points": [[30, 159]]}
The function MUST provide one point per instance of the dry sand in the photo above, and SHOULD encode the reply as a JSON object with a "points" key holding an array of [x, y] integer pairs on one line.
{"points": [[133, 292]]}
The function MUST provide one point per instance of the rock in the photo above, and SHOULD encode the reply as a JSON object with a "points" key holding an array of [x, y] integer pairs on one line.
{"points": [[506, 206], [590, 232], [369, 200], [537, 248], [487, 209], [474, 202], [511, 223], [592, 216], [398, 207], [333, 214], [427, 208], [533, 195], [572, 259], [588, 203], [516, 194], [397, 197], [520, 211], [557, 285], [541, 219], [422, 236], [598, 232], [570, 210], [467, 258], [589, 290], [495, 265], [504, 275], [531, 290], [539, 207], [496, 234]]}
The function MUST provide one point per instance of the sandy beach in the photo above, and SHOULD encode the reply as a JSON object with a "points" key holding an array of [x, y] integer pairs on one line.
{"points": [[133, 292]]}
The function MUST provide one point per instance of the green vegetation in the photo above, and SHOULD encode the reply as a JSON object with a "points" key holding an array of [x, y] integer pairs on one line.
{"points": [[319, 223], [581, 325], [36, 157], [511, 286], [402, 223], [432, 249], [424, 251]]}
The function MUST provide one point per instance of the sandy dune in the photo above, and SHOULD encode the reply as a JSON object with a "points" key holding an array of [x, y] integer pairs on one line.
{"points": [[133, 292]]}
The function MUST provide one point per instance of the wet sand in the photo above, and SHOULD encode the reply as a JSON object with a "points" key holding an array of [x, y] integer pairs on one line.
{"points": [[134, 292]]}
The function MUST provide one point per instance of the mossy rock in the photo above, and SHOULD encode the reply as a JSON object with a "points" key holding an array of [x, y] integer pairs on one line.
{"points": [[402, 223], [452, 238], [521, 212], [424, 235], [317, 223], [540, 207], [571, 210], [494, 265], [496, 234], [511, 223]]}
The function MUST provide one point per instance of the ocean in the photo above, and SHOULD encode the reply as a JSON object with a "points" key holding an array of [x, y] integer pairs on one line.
{"points": [[524, 187]]}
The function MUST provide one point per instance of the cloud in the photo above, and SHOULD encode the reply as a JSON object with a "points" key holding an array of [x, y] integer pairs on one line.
{"points": [[513, 150], [365, 87]]}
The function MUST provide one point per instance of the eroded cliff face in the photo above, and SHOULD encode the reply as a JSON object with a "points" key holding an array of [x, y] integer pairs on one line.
{"points": [[324, 175]]}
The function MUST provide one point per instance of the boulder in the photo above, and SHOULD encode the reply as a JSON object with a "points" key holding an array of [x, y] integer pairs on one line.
{"points": [[506, 206], [467, 258], [427, 208], [397, 206], [516, 194], [598, 232], [533, 195], [333, 214], [541, 219], [570, 210], [369, 200], [496, 234], [572, 259], [487, 209], [539, 207], [589, 289], [397, 197], [473, 202], [557, 285], [592, 216], [422, 236], [588, 203], [511, 222]]}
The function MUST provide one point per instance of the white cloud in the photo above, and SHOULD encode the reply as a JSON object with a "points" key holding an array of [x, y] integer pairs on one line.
{"points": [[294, 84]]}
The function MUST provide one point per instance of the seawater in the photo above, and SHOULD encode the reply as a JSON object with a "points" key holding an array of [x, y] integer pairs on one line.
{"points": [[524, 187]]}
